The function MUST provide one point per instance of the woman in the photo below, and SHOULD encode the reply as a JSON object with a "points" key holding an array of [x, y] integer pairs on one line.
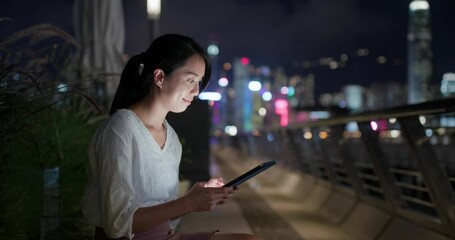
{"points": [[132, 192]]}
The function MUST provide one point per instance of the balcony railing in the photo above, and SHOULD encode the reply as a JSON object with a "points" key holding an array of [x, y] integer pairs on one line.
{"points": [[401, 160]]}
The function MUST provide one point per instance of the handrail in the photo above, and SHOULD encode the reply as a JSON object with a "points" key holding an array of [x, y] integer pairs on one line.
{"points": [[434, 107], [419, 189]]}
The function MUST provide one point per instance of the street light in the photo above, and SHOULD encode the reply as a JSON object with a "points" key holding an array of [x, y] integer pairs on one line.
{"points": [[153, 13]]}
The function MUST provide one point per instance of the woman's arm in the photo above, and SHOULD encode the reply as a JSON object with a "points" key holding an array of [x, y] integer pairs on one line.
{"points": [[198, 199]]}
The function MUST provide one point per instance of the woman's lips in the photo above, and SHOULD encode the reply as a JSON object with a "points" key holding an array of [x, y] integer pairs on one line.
{"points": [[187, 101]]}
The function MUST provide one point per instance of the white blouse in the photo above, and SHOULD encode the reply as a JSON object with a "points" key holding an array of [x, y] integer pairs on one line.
{"points": [[128, 170]]}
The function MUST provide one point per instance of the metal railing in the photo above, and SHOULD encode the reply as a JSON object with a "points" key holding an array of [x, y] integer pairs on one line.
{"points": [[404, 163]]}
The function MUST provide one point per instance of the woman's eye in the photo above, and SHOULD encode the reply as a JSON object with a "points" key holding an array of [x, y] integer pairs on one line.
{"points": [[191, 80]]}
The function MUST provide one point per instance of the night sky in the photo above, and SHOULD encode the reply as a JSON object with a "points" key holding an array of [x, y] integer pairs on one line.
{"points": [[278, 32]]}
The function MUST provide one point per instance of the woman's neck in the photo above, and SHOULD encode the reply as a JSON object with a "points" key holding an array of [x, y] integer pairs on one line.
{"points": [[150, 114]]}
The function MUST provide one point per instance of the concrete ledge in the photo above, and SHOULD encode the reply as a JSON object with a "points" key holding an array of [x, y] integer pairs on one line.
{"points": [[226, 218], [338, 207], [366, 222], [317, 209], [401, 229]]}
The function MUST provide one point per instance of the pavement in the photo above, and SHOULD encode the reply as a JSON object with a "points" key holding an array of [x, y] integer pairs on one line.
{"points": [[268, 205]]}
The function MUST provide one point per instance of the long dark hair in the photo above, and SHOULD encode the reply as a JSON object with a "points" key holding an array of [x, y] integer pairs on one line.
{"points": [[167, 52]]}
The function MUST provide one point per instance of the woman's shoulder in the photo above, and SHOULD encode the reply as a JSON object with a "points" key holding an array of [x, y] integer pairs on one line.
{"points": [[123, 120], [122, 116]]}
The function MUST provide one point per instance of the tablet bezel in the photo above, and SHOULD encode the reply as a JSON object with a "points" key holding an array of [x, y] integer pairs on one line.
{"points": [[251, 173]]}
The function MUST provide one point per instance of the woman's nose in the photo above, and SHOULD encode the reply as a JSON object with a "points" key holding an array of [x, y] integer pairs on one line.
{"points": [[195, 90]]}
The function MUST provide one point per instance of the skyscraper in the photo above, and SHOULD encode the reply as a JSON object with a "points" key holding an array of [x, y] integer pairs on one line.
{"points": [[242, 101], [420, 67]]}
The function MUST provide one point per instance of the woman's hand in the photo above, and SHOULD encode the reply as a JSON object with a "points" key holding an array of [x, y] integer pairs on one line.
{"points": [[214, 182], [204, 197]]}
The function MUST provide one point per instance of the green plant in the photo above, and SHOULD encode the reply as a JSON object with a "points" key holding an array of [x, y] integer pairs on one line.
{"points": [[46, 122]]}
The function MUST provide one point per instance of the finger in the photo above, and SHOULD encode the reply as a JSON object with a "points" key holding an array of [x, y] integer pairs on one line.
{"points": [[229, 190], [218, 182]]}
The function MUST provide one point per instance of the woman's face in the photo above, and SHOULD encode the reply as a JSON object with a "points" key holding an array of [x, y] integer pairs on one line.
{"points": [[181, 86]]}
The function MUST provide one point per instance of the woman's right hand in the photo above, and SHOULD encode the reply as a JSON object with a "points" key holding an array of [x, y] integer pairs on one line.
{"points": [[201, 198]]}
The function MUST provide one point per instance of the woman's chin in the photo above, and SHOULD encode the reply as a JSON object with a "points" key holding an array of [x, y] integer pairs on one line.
{"points": [[179, 110]]}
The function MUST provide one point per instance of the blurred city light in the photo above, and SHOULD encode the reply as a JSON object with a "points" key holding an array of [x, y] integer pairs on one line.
{"points": [[223, 82], [262, 111], [323, 135], [227, 66], [267, 96], [422, 120], [307, 135], [61, 87], [284, 90], [419, 5], [374, 125], [315, 115], [153, 9], [213, 50], [270, 137], [382, 59], [352, 126], [244, 60], [211, 96], [281, 108], [291, 91], [394, 133], [254, 86], [230, 130]]}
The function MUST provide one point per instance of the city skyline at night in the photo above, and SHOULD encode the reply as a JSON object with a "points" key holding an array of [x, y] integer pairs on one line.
{"points": [[295, 35]]}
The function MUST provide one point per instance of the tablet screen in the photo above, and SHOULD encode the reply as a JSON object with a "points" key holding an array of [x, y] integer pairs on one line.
{"points": [[253, 172]]}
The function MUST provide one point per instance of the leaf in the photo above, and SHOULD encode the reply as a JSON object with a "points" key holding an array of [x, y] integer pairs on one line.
{"points": [[39, 33]]}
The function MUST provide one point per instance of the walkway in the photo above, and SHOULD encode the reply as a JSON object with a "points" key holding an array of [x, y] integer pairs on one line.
{"points": [[261, 206]]}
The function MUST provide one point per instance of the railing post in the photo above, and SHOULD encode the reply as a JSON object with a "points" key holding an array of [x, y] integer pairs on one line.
{"points": [[295, 152], [325, 159], [386, 178], [337, 132], [435, 177]]}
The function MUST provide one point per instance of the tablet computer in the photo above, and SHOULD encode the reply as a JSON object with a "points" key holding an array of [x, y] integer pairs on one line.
{"points": [[253, 172]]}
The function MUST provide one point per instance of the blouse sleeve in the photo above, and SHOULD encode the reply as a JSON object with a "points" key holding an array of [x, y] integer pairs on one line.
{"points": [[113, 153]]}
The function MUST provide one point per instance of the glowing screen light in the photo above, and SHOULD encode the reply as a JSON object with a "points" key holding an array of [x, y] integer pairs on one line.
{"points": [[254, 86]]}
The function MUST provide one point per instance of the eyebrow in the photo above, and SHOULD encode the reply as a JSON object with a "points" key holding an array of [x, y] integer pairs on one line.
{"points": [[192, 73]]}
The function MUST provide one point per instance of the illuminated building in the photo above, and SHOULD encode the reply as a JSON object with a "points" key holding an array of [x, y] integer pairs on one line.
{"points": [[354, 97], [420, 55], [242, 101], [448, 85]]}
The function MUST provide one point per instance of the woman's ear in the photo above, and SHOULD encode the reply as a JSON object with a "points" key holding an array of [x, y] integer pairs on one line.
{"points": [[158, 77]]}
